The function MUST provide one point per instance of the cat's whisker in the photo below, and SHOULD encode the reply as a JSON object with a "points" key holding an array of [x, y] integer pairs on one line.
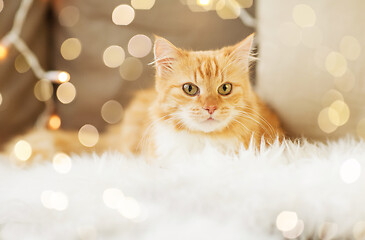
{"points": [[263, 119], [250, 116]]}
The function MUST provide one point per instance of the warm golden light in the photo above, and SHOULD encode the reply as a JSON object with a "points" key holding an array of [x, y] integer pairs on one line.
{"points": [[350, 47], [203, 2], [339, 113], [1, 5], [304, 15], [113, 56], [112, 112], [228, 9], [245, 3], [296, 231], [69, 16], [1, 99], [324, 122], [54, 200], [66, 92], [286, 221], [336, 64], [131, 69], [139, 46], [123, 15], [43, 90], [63, 77], [142, 4], [350, 171], [21, 65], [3, 52], [22, 150], [88, 135], [71, 48], [62, 163], [54, 122]]}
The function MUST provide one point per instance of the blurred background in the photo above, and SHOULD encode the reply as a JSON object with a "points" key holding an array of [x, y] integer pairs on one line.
{"points": [[105, 47], [310, 68]]}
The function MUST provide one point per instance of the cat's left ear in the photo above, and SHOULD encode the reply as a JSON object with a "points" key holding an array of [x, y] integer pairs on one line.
{"points": [[165, 56], [242, 50]]}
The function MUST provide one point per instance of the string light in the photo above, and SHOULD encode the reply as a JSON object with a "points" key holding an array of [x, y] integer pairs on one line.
{"points": [[88, 135], [54, 122], [22, 150]]}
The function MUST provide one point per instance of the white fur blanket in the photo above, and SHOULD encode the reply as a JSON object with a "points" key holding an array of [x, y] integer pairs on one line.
{"points": [[204, 196]]}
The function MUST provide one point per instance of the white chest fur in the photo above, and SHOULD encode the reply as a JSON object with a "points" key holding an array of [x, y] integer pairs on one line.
{"points": [[170, 142]]}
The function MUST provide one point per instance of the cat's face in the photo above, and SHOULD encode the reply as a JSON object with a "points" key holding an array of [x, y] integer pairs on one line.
{"points": [[202, 91]]}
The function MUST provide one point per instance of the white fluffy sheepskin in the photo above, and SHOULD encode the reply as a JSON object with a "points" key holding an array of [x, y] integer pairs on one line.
{"points": [[204, 196]]}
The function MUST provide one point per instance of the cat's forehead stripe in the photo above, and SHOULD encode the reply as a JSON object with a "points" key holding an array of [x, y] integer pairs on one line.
{"points": [[207, 67]]}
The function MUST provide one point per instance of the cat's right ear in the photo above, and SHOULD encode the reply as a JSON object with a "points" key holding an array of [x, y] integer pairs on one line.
{"points": [[165, 55]]}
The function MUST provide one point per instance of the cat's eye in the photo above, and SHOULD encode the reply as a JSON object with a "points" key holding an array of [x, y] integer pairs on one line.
{"points": [[190, 89], [225, 89]]}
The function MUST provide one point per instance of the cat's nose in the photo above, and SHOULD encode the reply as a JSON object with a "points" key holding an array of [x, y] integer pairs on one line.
{"points": [[210, 108]]}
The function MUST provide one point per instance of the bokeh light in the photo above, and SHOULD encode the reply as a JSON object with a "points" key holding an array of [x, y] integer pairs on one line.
{"points": [[112, 111], [63, 77], [346, 82], [62, 163], [129, 208], [113, 56], [228, 9], [21, 65], [88, 135], [336, 64], [3, 52], [1, 99], [286, 221], [324, 122], [304, 15], [290, 34], [245, 3], [54, 122], [339, 113], [69, 16], [71, 48], [66, 92], [1, 5], [22, 150], [131, 69], [360, 129], [43, 90], [359, 231], [123, 15], [330, 96], [139, 45], [112, 197], [350, 171], [54, 200], [350, 47], [142, 4], [203, 2], [327, 231], [296, 231]]}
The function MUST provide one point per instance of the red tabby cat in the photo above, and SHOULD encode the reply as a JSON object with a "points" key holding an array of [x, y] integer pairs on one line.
{"points": [[200, 98]]}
